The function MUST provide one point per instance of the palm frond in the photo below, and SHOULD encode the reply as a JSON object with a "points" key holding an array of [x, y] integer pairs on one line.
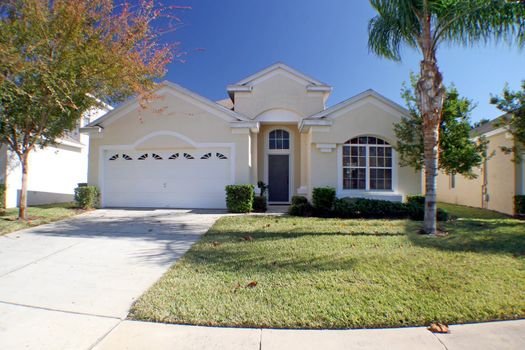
{"points": [[396, 24], [470, 21]]}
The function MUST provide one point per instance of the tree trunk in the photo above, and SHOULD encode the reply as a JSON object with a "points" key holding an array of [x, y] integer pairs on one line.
{"points": [[23, 193], [431, 96]]}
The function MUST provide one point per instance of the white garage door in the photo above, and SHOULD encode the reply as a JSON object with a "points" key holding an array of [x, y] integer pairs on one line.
{"points": [[172, 179]]}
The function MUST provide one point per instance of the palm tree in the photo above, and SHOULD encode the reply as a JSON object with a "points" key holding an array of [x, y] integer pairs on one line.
{"points": [[424, 25]]}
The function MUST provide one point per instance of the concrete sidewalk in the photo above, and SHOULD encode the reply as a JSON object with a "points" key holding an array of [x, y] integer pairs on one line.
{"points": [[132, 335]]}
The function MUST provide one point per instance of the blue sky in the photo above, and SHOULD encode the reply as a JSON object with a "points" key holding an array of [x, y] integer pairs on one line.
{"points": [[326, 40]]}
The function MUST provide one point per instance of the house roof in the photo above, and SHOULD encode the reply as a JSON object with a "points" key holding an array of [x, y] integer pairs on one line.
{"points": [[228, 113], [359, 97], [279, 66], [489, 126]]}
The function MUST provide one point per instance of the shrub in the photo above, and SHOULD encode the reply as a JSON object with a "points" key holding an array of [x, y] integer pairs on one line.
{"points": [[416, 199], [87, 197], [300, 206], [519, 204], [323, 199], [381, 209], [260, 204], [369, 208], [239, 198]]}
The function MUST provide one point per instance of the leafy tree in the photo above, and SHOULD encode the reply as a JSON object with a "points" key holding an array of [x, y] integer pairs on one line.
{"points": [[458, 153], [56, 56], [513, 104], [424, 25]]}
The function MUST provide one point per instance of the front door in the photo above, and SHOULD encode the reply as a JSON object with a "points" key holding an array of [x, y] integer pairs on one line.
{"points": [[278, 177]]}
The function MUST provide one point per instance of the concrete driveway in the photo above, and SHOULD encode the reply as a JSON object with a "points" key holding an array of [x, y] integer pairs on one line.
{"points": [[68, 284]]}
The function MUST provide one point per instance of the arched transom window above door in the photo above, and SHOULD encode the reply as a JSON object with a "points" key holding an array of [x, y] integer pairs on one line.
{"points": [[279, 139], [367, 164]]}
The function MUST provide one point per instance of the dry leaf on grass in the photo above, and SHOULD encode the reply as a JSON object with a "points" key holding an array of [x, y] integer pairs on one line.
{"points": [[251, 284], [215, 243], [438, 328], [248, 238]]}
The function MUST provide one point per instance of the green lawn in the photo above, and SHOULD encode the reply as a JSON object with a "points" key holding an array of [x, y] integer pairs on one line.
{"points": [[37, 215], [329, 273]]}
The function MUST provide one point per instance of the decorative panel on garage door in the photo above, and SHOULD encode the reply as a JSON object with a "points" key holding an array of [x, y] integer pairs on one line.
{"points": [[182, 178]]}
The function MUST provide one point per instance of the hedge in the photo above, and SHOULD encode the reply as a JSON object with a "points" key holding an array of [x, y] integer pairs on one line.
{"points": [[326, 205], [519, 204], [87, 197], [239, 198]]}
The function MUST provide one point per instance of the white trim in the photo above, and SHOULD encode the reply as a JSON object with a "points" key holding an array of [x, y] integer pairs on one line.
{"points": [[392, 194], [306, 124], [253, 126], [351, 103], [289, 152], [279, 66], [104, 148], [491, 133], [326, 147]]}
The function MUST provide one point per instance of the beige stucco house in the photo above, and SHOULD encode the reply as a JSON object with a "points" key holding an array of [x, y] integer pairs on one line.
{"points": [[275, 127], [498, 180]]}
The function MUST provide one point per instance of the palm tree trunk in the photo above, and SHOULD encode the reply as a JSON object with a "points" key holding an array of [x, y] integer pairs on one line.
{"points": [[430, 95], [23, 193]]}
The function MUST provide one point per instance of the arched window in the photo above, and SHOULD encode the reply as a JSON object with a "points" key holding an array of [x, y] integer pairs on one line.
{"points": [[279, 139], [367, 164]]}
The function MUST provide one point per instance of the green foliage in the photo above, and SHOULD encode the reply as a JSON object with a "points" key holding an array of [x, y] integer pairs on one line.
{"points": [[323, 199], [363, 208], [519, 204], [513, 103], [416, 199], [87, 197], [300, 206], [239, 198], [400, 22], [458, 153], [260, 204]]}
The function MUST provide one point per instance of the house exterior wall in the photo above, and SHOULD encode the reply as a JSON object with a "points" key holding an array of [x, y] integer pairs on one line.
{"points": [[502, 178], [367, 119], [278, 91], [169, 116]]}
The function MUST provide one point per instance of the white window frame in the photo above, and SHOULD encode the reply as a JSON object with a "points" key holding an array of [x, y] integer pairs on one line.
{"points": [[391, 194]]}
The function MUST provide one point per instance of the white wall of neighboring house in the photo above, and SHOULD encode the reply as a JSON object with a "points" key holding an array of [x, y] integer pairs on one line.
{"points": [[54, 172]]}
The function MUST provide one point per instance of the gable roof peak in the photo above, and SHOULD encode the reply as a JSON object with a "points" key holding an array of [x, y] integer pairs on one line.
{"points": [[283, 67]]}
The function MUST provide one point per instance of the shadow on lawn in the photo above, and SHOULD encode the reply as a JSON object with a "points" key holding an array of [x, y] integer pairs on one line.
{"points": [[494, 236]]}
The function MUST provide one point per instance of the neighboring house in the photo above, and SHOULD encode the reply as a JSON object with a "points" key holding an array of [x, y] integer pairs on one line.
{"points": [[184, 149], [54, 171], [498, 180]]}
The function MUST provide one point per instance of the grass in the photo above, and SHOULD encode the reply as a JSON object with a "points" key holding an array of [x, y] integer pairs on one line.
{"points": [[330, 273], [37, 215]]}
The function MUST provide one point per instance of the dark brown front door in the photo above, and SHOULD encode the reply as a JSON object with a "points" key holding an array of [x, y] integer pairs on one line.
{"points": [[278, 177]]}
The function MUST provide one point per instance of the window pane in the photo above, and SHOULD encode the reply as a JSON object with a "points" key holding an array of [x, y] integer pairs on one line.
{"points": [[380, 151], [272, 144], [372, 141], [388, 162], [286, 144], [373, 162], [346, 161], [346, 151]]}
